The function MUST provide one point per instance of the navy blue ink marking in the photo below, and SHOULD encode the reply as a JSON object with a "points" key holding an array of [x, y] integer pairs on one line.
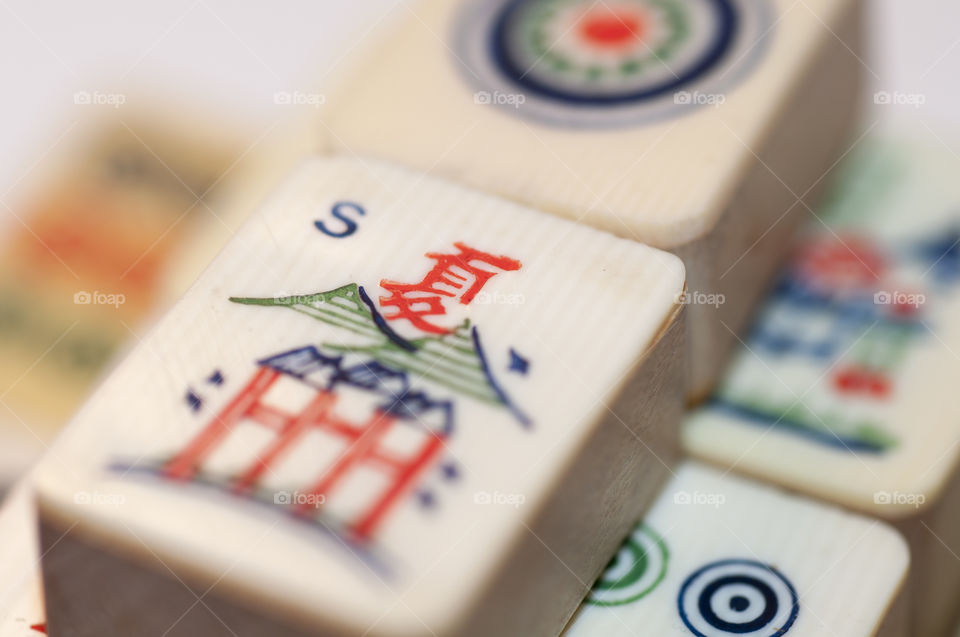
{"points": [[194, 400], [350, 226], [498, 390], [943, 255], [518, 363], [739, 603], [381, 324], [216, 378], [302, 362], [769, 600], [753, 416], [761, 620], [426, 499], [450, 471], [851, 315], [315, 369], [726, 32]]}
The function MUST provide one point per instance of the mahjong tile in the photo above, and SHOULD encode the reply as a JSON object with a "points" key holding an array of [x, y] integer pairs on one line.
{"points": [[99, 240], [390, 405], [720, 555]]}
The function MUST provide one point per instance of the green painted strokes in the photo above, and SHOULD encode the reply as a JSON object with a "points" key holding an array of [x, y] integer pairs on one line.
{"points": [[544, 48], [832, 423], [885, 346], [875, 436], [476, 388], [449, 360], [343, 302], [433, 360], [646, 550], [874, 171]]}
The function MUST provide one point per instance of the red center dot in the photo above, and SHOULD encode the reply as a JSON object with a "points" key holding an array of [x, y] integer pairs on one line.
{"points": [[611, 29]]}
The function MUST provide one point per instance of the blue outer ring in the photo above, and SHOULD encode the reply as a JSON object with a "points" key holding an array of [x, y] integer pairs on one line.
{"points": [[794, 611], [726, 32]]}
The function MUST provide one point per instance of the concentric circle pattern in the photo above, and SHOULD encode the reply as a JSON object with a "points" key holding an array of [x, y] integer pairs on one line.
{"points": [[588, 63], [638, 567], [738, 597]]}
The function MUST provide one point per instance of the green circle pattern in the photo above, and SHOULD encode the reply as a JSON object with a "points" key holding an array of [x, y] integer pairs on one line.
{"points": [[649, 555], [676, 17]]}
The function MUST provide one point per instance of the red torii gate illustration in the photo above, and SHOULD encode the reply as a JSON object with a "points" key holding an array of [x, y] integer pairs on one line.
{"points": [[364, 449]]}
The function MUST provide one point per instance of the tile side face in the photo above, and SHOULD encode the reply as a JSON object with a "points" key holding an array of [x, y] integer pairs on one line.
{"points": [[719, 555], [380, 379]]}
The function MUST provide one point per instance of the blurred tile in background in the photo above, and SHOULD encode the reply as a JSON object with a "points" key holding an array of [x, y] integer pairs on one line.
{"points": [[116, 228], [845, 387]]}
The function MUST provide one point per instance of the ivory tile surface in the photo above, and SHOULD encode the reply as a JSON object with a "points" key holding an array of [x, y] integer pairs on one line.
{"points": [[721, 555], [384, 397]]}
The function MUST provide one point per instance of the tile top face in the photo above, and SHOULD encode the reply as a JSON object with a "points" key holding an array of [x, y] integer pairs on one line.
{"points": [[379, 380], [846, 387], [720, 555], [635, 116]]}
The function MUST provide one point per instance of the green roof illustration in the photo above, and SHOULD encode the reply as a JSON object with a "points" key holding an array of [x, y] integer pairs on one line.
{"points": [[454, 360]]}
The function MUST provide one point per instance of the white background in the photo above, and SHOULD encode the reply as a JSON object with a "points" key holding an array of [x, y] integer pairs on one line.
{"points": [[230, 57]]}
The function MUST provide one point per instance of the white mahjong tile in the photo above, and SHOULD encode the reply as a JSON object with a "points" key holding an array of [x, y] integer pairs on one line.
{"points": [[21, 594], [383, 379], [690, 125], [852, 360], [721, 555], [637, 116]]}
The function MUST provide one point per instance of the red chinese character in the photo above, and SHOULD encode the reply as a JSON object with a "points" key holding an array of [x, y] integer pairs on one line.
{"points": [[452, 275]]}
